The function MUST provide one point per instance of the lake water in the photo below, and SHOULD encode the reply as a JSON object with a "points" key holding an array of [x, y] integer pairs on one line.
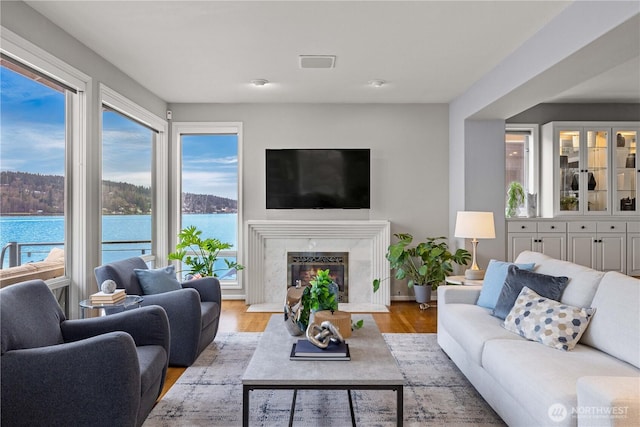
{"points": [[50, 229]]}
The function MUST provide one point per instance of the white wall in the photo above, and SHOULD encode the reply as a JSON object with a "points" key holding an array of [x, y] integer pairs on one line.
{"points": [[409, 154]]}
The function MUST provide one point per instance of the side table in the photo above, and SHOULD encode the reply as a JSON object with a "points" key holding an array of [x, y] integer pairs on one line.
{"points": [[461, 280], [128, 302]]}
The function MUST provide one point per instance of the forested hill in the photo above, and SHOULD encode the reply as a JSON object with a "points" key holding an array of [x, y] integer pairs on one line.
{"points": [[29, 193]]}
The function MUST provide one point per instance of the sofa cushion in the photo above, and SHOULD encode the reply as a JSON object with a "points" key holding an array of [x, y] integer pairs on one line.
{"points": [[538, 376], [471, 326], [543, 284], [158, 280], [584, 280], [615, 328], [494, 280], [546, 321]]}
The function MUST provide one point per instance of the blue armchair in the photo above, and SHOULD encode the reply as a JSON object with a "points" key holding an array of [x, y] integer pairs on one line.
{"points": [[104, 371], [193, 311]]}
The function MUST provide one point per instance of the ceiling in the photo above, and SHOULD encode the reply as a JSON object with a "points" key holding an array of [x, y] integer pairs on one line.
{"points": [[425, 51]]}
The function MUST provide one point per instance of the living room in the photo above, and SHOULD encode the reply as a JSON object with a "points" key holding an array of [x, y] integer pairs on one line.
{"points": [[429, 159]]}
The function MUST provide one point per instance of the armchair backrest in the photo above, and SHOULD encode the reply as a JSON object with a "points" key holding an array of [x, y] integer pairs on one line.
{"points": [[30, 316], [122, 273]]}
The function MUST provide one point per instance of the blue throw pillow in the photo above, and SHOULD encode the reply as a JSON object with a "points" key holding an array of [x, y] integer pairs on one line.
{"points": [[158, 280], [544, 285], [494, 280]]}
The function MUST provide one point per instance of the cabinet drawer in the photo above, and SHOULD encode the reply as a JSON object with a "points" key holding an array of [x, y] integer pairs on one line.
{"points": [[552, 227], [521, 227], [611, 227], [633, 227], [582, 227]]}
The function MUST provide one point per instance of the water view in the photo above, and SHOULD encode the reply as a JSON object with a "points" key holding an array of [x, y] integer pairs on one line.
{"points": [[116, 228]]}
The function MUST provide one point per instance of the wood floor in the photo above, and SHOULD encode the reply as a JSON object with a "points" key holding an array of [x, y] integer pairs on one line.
{"points": [[403, 317]]}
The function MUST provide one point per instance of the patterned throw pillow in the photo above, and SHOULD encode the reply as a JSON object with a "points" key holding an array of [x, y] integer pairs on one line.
{"points": [[546, 321]]}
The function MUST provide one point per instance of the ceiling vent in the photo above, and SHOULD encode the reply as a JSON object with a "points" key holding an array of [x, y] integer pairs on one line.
{"points": [[317, 61]]}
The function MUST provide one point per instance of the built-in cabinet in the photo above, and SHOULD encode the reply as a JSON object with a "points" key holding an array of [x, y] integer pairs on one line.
{"points": [[598, 245], [589, 168], [602, 245], [550, 238], [633, 248]]}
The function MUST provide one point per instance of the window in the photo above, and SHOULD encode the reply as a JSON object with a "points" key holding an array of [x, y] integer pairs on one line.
{"points": [[209, 175], [521, 163], [33, 141], [133, 206], [127, 148]]}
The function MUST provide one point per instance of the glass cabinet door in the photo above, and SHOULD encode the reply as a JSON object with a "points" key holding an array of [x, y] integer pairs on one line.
{"points": [[596, 173], [626, 171], [569, 173]]}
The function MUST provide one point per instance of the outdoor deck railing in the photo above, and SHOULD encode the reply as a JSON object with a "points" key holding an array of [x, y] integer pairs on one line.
{"points": [[15, 250]]}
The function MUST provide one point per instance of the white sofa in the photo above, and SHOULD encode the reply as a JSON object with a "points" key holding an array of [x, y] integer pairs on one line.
{"points": [[530, 384]]}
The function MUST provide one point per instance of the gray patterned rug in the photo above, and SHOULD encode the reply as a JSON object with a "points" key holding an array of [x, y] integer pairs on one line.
{"points": [[209, 393]]}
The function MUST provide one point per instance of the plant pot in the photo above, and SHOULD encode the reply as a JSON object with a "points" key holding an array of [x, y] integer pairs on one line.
{"points": [[423, 293]]}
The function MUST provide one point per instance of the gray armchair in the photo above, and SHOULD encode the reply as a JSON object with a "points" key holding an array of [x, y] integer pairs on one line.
{"points": [[193, 311], [104, 371]]}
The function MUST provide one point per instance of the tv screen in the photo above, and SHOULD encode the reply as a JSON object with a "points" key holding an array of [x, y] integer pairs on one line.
{"points": [[318, 178]]}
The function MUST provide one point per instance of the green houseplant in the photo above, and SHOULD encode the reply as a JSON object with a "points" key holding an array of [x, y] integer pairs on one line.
{"points": [[199, 254], [427, 264], [321, 295], [515, 197]]}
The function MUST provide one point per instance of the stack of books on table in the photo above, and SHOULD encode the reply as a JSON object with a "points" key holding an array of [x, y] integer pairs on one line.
{"points": [[104, 298], [305, 350]]}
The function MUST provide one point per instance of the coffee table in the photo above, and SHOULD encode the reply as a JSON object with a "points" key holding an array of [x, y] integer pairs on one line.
{"points": [[372, 367]]}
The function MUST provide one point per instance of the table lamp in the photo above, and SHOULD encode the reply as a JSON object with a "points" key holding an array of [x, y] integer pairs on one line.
{"points": [[475, 225]]}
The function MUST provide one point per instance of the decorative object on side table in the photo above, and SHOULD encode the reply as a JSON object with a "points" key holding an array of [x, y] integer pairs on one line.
{"points": [[108, 286], [475, 225], [200, 255], [425, 265]]}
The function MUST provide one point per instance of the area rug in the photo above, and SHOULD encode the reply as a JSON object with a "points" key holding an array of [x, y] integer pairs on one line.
{"points": [[209, 393]]}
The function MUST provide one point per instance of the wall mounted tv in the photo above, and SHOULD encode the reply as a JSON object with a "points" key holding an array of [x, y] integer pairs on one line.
{"points": [[318, 178]]}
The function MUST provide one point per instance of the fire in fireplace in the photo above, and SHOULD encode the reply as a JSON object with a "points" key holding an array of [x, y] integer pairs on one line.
{"points": [[302, 267]]}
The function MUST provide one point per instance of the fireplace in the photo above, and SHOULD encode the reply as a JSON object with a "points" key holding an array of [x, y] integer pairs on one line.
{"points": [[269, 241], [302, 267]]}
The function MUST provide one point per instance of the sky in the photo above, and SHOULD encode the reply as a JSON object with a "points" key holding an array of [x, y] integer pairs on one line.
{"points": [[32, 140]]}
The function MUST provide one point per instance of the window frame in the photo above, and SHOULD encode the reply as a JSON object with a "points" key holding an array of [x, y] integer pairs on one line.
{"points": [[532, 163], [159, 170], [76, 136], [191, 128]]}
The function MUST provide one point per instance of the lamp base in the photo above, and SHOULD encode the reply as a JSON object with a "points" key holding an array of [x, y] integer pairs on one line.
{"points": [[470, 274]]}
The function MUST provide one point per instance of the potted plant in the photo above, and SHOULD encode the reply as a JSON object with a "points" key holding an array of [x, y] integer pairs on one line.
{"points": [[515, 198], [321, 295], [200, 255], [425, 265]]}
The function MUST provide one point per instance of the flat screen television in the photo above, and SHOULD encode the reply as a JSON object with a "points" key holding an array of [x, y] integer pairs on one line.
{"points": [[318, 178]]}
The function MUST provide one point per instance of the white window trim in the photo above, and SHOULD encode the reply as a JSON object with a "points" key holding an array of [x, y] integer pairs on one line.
{"points": [[533, 172], [78, 271], [185, 128], [159, 172]]}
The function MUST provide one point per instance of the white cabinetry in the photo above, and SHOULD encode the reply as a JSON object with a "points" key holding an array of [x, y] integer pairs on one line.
{"points": [[626, 171], [587, 170], [543, 236], [633, 248], [600, 245]]}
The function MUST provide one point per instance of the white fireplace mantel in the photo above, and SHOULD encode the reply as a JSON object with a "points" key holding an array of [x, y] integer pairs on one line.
{"points": [[268, 242]]}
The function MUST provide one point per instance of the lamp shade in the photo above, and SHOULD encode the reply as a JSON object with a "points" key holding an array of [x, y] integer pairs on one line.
{"points": [[475, 225]]}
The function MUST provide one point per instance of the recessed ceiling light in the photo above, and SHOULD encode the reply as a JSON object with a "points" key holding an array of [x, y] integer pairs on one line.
{"points": [[259, 82], [376, 83]]}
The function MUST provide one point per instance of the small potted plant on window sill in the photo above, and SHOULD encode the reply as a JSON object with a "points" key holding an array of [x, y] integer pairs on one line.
{"points": [[200, 255]]}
